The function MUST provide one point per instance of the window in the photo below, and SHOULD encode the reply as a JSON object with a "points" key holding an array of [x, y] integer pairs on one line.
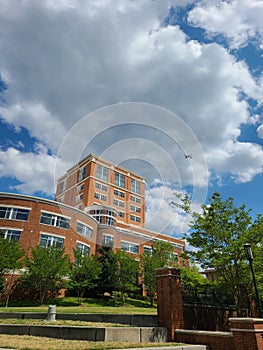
{"points": [[119, 193], [82, 173], [98, 215], [12, 235], [119, 180], [135, 218], [84, 230], [121, 214], [108, 241], [80, 188], [79, 197], [100, 196], [147, 250], [83, 248], [130, 247], [63, 186], [136, 186], [48, 241], [54, 220], [118, 203], [135, 199], [102, 172], [101, 187], [14, 213], [135, 209]]}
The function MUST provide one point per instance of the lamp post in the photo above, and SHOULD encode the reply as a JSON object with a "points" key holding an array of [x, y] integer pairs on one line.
{"points": [[250, 258]]}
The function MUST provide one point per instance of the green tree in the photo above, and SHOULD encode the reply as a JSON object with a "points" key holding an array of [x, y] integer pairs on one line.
{"points": [[162, 254], [10, 260], [84, 273], [218, 234], [46, 270], [126, 273], [108, 261]]}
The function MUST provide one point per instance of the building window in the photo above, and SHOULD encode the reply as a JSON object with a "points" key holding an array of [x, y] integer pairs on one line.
{"points": [[102, 172], [130, 247], [79, 197], [121, 214], [100, 196], [14, 213], [63, 186], [119, 180], [101, 187], [49, 240], [119, 193], [118, 203], [136, 186], [84, 230], [82, 173], [135, 209], [12, 235], [83, 248], [135, 199], [108, 241], [147, 250], [80, 188], [135, 218], [97, 214], [54, 220]]}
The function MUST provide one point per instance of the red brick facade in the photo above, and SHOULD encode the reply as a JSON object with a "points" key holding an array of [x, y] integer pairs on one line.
{"points": [[135, 239]]}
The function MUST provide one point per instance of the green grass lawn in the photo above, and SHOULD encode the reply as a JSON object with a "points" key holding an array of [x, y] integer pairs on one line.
{"points": [[89, 305]]}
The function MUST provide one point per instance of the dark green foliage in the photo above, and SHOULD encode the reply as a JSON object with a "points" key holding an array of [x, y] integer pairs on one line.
{"points": [[162, 254], [46, 271], [107, 278], [218, 234], [84, 273]]}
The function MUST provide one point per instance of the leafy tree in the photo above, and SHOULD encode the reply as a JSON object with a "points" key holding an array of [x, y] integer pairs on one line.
{"points": [[10, 260], [46, 270], [218, 234], [84, 273], [108, 261], [162, 254], [126, 273]]}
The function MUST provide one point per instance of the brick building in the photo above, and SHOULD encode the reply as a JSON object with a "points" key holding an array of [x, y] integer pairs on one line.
{"points": [[96, 204]]}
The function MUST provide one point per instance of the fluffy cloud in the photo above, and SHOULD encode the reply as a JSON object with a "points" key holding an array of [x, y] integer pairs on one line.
{"points": [[238, 21], [63, 60]]}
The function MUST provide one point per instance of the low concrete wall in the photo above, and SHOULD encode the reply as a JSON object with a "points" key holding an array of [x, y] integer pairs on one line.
{"points": [[214, 340], [107, 334], [138, 320]]}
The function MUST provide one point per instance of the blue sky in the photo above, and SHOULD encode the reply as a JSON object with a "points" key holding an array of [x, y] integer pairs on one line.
{"points": [[139, 83]]}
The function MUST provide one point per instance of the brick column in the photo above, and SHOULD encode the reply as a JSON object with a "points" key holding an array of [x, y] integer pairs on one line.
{"points": [[247, 333], [169, 300]]}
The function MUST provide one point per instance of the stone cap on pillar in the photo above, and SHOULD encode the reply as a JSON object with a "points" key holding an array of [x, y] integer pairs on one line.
{"points": [[167, 271]]}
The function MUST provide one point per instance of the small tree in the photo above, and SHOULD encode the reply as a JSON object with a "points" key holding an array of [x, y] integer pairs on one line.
{"points": [[162, 254], [10, 260], [126, 273], [84, 273], [218, 234], [46, 270], [108, 278]]}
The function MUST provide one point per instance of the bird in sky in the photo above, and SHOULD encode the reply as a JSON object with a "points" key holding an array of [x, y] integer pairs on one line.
{"points": [[189, 156]]}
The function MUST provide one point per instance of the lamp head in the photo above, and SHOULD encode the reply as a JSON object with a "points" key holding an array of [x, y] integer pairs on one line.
{"points": [[248, 251]]}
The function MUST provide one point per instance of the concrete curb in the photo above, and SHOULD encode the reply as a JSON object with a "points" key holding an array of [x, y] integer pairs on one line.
{"points": [[107, 334]]}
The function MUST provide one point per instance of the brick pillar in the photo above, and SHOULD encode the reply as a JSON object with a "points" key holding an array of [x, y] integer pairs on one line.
{"points": [[169, 300], [247, 333]]}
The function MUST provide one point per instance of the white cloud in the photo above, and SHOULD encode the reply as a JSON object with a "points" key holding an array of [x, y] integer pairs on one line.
{"points": [[65, 59], [239, 21]]}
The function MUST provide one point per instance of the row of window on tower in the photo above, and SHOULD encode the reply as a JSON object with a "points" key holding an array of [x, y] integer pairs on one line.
{"points": [[102, 173]]}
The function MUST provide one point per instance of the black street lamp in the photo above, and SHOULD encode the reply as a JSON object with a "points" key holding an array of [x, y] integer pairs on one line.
{"points": [[250, 258]]}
